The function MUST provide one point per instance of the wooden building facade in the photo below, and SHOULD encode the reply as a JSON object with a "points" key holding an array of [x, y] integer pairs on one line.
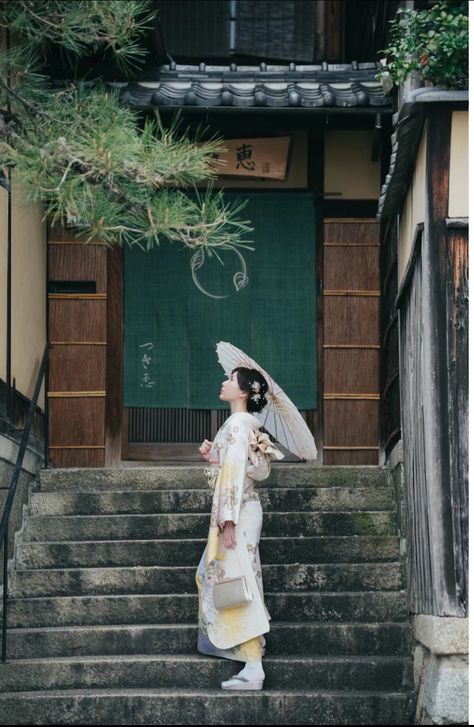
{"points": [[89, 424], [244, 79], [426, 195], [387, 292]]}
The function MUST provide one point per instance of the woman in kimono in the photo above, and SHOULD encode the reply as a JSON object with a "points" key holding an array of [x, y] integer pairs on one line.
{"points": [[234, 532]]}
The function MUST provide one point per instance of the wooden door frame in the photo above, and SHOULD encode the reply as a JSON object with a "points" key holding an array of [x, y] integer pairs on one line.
{"points": [[116, 416], [315, 162], [117, 449]]}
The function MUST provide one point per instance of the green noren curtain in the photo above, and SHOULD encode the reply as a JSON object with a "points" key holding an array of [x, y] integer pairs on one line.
{"points": [[171, 328]]}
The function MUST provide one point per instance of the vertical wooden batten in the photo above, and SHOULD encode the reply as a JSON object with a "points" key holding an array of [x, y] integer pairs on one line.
{"points": [[114, 411], [314, 418], [390, 429], [457, 313], [442, 593]]}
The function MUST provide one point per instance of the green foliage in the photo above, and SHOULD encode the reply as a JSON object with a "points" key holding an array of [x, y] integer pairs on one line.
{"points": [[432, 42], [93, 160], [113, 27]]}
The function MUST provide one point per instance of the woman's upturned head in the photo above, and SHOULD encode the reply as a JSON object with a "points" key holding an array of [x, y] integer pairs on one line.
{"points": [[247, 384]]}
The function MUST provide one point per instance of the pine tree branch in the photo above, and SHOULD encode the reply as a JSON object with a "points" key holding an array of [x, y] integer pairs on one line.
{"points": [[29, 106], [84, 155]]}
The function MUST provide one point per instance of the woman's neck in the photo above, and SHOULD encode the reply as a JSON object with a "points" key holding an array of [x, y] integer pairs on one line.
{"points": [[236, 406]]}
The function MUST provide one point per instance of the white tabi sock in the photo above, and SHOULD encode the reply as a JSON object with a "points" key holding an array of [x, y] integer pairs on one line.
{"points": [[253, 670]]}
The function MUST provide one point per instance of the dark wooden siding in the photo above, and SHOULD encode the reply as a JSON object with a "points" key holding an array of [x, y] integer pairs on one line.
{"points": [[437, 524], [458, 423], [389, 363], [434, 391], [77, 330], [420, 577], [175, 434], [351, 341]]}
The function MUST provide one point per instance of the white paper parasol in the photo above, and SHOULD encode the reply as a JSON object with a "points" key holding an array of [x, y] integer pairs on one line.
{"points": [[280, 416]]}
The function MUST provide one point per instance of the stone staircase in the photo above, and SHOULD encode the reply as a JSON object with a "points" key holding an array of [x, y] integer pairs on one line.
{"points": [[103, 608]]}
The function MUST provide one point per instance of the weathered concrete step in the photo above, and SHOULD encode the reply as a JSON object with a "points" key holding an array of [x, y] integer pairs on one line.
{"points": [[192, 476], [137, 527], [199, 500], [284, 638], [178, 671], [208, 706], [106, 553], [164, 579], [39, 612]]}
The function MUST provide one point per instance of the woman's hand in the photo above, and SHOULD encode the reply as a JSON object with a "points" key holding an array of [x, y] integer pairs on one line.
{"points": [[205, 449], [229, 534]]}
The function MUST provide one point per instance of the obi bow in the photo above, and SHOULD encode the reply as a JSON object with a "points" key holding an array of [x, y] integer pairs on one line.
{"points": [[261, 441]]}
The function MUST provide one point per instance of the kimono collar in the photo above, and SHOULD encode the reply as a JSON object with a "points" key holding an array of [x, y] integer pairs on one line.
{"points": [[248, 416]]}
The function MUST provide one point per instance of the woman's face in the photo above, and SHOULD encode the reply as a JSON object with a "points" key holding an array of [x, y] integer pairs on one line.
{"points": [[230, 390]]}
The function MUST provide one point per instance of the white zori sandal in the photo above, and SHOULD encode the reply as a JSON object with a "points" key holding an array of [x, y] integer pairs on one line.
{"points": [[238, 682]]}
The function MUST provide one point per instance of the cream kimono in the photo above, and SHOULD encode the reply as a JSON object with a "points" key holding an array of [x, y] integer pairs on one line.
{"points": [[231, 474]]}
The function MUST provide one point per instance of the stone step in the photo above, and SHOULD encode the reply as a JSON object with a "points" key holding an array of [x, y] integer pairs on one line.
{"points": [[181, 579], [178, 525], [180, 671], [208, 706], [314, 549], [311, 638], [192, 476], [102, 621], [200, 500], [181, 608]]}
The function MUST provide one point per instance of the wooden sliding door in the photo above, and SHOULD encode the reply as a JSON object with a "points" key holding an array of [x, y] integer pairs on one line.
{"points": [[351, 341]]}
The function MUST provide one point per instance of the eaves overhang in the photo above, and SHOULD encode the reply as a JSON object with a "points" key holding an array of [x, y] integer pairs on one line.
{"points": [[265, 87], [408, 125]]}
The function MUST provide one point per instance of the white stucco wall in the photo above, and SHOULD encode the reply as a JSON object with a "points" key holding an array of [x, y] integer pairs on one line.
{"points": [[28, 291], [413, 210], [348, 168], [459, 166]]}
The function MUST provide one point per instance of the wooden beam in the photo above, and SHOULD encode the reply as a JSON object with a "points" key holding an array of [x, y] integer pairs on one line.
{"points": [[64, 394], [351, 345], [79, 296], [76, 446], [114, 410], [351, 448], [352, 396], [364, 293]]}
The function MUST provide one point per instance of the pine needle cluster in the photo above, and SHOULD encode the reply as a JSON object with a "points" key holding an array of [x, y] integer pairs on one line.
{"points": [[90, 159]]}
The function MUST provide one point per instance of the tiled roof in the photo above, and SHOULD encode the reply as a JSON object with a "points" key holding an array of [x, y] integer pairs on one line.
{"points": [[294, 86]]}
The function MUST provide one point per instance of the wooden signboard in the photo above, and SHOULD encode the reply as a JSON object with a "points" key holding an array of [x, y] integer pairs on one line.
{"points": [[254, 158]]}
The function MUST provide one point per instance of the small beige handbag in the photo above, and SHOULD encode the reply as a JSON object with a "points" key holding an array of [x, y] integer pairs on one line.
{"points": [[232, 592]]}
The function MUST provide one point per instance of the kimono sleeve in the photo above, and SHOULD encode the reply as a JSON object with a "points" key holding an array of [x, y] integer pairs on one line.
{"points": [[232, 473]]}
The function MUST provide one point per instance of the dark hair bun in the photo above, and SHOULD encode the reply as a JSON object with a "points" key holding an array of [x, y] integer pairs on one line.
{"points": [[252, 381]]}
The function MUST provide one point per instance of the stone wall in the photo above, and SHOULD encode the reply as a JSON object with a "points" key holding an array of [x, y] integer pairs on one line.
{"points": [[32, 461], [441, 650]]}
